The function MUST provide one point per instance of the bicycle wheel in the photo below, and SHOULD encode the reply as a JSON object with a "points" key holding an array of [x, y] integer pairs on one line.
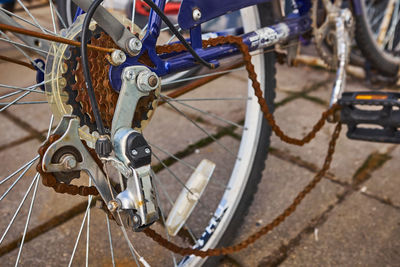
{"points": [[378, 34], [221, 122]]}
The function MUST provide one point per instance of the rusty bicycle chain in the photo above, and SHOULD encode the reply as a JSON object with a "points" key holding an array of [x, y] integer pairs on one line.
{"points": [[265, 229], [50, 180]]}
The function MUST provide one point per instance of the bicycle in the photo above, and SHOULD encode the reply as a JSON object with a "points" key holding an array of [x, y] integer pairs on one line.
{"points": [[131, 192]]}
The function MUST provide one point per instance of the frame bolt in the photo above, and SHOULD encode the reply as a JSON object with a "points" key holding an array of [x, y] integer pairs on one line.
{"points": [[134, 45], [68, 161], [134, 152], [196, 14], [118, 57], [147, 81], [113, 205], [147, 150]]}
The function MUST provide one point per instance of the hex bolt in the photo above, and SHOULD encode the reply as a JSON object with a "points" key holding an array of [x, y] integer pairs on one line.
{"points": [[196, 14], [118, 57], [134, 152], [68, 161], [147, 81], [113, 205], [147, 150], [134, 45], [153, 80]]}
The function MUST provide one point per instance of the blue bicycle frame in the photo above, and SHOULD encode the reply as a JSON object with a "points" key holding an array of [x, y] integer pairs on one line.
{"points": [[292, 26]]}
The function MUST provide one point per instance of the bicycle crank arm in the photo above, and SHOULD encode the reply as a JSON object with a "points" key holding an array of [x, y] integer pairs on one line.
{"points": [[76, 157], [344, 23]]}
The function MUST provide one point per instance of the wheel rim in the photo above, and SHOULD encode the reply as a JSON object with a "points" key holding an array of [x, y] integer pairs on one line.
{"points": [[386, 31], [252, 124]]}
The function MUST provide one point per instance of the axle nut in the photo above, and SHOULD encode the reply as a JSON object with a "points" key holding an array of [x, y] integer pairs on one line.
{"points": [[147, 81], [68, 161], [113, 205]]}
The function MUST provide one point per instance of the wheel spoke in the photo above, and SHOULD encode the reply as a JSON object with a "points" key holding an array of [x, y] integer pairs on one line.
{"points": [[23, 103], [16, 181], [173, 156], [88, 227], [203, 130], [30, 15], [17, 171], [52, 16], [207, 99], [133, 14], [173, 174], [22, 19], [16, 45], [207, 113], [163, 219], [28, 89], [202, 76], [110, 240], [14, 101], [28, 219], [79, 235], [17, 211], [171, 202]]}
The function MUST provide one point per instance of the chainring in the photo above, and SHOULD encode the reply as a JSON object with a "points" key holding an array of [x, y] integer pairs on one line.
{"points": [[324, 30]]}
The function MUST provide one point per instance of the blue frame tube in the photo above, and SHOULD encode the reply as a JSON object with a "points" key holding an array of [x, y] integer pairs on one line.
{"points": [[261, 38], [172, 63]]}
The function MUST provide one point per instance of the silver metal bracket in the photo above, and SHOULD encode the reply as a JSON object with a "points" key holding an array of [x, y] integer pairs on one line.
{"points": [[132, 153], [126, 40], [68, 129]]}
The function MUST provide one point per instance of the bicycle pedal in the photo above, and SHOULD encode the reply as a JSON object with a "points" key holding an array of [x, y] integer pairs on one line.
{"points": [[371, 116]]}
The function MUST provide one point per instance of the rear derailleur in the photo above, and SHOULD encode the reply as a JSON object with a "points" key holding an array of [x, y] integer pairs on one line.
{"points": [[135, 205]]}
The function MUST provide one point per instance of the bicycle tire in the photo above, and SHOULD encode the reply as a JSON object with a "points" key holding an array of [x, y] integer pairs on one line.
{"points": [[383, 61]]}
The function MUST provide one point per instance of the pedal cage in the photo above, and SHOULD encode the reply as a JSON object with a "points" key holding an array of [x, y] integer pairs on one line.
{"points": [[386, 118]]}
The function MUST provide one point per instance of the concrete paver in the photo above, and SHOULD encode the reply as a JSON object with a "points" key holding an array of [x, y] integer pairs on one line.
{"points": [[359, 232], [385, 182], [280, 184]]}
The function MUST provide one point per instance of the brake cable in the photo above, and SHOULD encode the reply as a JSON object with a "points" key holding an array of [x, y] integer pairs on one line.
{"points": [[178, 34], [85, 66]]}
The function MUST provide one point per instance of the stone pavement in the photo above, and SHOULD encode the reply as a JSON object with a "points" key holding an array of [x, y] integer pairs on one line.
{"points": [[352, 218]]}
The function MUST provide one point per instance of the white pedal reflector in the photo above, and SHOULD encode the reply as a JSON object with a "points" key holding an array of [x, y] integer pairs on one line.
{"points": [[187, 199]]}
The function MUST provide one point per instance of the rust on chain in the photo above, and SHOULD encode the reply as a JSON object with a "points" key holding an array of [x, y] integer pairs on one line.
{"points": [[49, 179], [265, 229]]}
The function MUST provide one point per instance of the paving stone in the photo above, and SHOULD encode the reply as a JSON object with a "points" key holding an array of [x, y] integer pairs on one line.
{"points": [[276, 191], [13, 132], [359, 232], [293, 78], [297, 118], [384, 182]]}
